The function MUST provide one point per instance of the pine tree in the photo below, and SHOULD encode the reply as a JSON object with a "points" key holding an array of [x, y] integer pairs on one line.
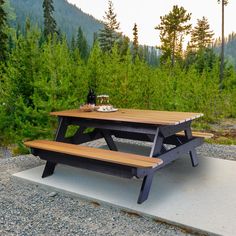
{"points": [[95, 37], [173, 27], [60, 35], [135, 40], [123, 45], [108, 36], [73, 43], [49, 22], [223, 4], [27, 25], [82, 44], [201, 35], [3, 35]]}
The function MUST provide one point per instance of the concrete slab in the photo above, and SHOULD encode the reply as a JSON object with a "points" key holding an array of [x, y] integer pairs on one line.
{"points": [[201, 198]]}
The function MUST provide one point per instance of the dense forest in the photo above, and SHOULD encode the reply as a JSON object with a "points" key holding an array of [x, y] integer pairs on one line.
{"points": [[67, 16], [230, 47], [43, 71]]}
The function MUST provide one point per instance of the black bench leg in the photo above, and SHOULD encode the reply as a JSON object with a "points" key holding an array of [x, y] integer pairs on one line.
{"points": [[145, 189], [194, 158], [48, 169], [193, 154]]}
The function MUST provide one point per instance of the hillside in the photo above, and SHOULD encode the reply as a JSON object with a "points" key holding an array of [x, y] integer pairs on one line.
{"points": [[68, 16], [230, 47]]}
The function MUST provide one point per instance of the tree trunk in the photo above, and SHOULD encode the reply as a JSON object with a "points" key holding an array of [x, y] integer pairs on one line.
{"points": [[222, 47], [173, 51]]}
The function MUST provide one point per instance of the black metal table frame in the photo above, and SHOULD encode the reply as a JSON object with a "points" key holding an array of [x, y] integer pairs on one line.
{"points": [[158, 135]]}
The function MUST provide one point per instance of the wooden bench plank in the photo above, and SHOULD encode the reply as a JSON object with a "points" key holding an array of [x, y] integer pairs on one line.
{"points": [[121, 158], [198, 134]]}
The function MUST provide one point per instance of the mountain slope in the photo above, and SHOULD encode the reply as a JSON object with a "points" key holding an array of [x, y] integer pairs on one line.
{"points": [[67, 16], [230, 48]]}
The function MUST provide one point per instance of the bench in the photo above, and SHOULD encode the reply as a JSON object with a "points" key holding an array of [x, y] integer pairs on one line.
{"points": [[106, 161], [198, 134]]}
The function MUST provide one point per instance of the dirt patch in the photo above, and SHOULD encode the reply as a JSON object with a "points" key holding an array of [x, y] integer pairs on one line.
{"points": [[224, 131]]}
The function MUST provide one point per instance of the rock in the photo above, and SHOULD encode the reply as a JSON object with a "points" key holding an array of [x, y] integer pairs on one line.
{"points": [[52, 194]]}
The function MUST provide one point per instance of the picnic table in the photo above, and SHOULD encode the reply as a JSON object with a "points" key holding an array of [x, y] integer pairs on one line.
{"points": [[169, 133]]}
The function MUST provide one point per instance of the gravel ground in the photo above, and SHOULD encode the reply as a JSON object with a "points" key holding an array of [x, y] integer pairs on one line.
{"points": [[28, 209]]}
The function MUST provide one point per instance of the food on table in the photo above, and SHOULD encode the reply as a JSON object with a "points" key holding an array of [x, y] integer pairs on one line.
{"points": [[103, 100], [108, 108], [87, 107]]}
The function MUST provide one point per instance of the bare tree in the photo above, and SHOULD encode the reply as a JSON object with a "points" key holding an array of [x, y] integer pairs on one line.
{"points": [[223, 4]]}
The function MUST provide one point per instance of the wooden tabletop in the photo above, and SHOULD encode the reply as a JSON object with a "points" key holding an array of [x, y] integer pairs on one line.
{"points": [[134, 116]]}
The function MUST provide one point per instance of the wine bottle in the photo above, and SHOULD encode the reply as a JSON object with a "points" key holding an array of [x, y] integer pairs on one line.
{"points": [[91, 98]]}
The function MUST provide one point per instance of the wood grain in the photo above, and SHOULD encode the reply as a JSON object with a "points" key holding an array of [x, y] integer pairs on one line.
{"points": [[121, 158], [134, 116], [198, 134]]}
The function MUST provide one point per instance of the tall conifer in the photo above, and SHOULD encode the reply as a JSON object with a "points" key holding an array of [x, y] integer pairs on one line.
{"points": [[135, 40], [173, 27], [82, 44], [109, 35], [3, 35], [49, 22], [201, 35]]}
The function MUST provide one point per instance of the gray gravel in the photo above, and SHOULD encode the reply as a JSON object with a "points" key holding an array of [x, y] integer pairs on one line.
{"points": [[28, 209], [227, 152]]}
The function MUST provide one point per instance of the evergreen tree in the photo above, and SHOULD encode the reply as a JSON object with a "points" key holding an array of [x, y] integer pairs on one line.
{"points": [[3, 35], [49, 22], [95, 66], [135, 40], [173, 27], [95, 37], [223, 3], [27, 25], [82, 44], [109, 35], [123, 45], [60, 35], [201, 35], [73, 43], [18, 30], [153, 58]]}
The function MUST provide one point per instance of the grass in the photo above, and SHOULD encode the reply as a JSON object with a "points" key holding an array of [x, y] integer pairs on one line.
{"points": [[224, 131]]}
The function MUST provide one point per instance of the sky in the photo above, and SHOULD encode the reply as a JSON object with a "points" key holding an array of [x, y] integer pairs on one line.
{"points": [[146, 14]]}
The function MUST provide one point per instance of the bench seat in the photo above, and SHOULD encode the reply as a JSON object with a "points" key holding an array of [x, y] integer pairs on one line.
{"points": [[110, 162], [115, 157], [198, 134]]}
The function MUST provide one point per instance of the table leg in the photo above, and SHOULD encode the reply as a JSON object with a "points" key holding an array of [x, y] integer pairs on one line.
{"points": [[157, 145], [192, 153], [61, 130], [110, 142], [60, 137], [145, 189], [78, 136], [194, 159], [48, 169]]}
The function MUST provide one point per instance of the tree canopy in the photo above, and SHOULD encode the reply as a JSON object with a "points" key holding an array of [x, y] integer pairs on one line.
{"points": [[50, 25], [201, 35], [3, 35], [109, 35], [173, 28], [135, 40], [82, 44]]}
